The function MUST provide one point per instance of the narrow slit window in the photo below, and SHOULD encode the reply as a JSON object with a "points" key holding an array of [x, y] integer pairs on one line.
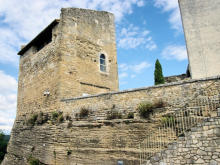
{"points": [[102, 63]]}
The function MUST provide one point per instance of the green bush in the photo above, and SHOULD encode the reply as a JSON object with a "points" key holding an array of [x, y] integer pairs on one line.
{"points": [[55, 115], [130, 115], [145, 109], [168, 120], [84, 112], [32, 119], [60, 118], [34, 161], [114, 115]]}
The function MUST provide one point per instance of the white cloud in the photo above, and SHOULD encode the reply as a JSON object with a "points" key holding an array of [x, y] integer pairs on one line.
{"points": [[172, 7], [8, 98], [8, 43], [24, 19], [139, 67], [123, 67], [177, 52], [123, 75], [133, 37], [131, 71], [140, 3]]}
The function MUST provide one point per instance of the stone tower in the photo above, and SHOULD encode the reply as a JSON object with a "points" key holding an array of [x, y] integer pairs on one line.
{"points": [[72, 57], [202, 30]]}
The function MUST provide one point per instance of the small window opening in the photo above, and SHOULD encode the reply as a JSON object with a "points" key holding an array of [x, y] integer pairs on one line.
{"points": [[102, 63]]}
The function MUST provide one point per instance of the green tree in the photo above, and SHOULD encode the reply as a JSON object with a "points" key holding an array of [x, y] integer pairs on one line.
{"points": [[158, 73], [3, 145]]}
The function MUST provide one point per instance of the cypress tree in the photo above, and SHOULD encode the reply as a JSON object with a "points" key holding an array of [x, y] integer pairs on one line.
{"points": [[158, 73]]}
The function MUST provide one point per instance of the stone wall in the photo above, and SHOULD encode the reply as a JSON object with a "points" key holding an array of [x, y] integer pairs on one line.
{"points": [[94, 139], [201, 145], [201, 26], [173, 94], [69, 65], [39, 72], [177, 78], [86, 34]]}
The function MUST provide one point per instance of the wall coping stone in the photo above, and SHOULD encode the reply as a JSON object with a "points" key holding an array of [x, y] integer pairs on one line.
{"points": [[143, 88]]}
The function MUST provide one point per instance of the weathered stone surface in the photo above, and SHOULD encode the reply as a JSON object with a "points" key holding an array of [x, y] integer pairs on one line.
{"points": [[201, 26], [197, 155]]}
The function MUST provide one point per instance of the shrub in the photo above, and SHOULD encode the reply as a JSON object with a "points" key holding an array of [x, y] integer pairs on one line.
{"points": [[60, 118], [32, 119], [114, 115], [168, 120], [55, 115], [130, 115], [34, 161], [84, 112], [145, 109]]}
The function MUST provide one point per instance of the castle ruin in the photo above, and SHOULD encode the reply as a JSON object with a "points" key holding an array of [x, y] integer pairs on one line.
{"points": [[70, 110]]}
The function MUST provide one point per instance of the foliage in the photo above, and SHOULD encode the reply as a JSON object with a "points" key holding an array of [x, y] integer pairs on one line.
{"points": [[168, 120], [32, 119], [3, 145], [60, 118], [130, 115], [33, 161], [57, 117], [158, 73], [41, 118], [113, 114], [145, 109], [84, 112]]}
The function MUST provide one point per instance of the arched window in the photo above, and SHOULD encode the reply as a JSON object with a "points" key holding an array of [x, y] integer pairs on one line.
{"points": [[102, 63]]}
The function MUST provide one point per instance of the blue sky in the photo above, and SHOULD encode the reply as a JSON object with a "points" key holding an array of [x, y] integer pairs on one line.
{"points": [[145, 30]]}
